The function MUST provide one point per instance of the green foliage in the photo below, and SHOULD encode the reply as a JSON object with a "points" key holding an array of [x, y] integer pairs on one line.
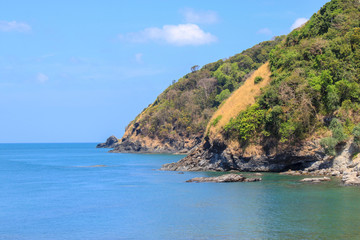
{"points": [[258, 79], [337, 130], [315, 74], [329, 145], [222, 96], [246, 124], [216, 120], [356, 133]]}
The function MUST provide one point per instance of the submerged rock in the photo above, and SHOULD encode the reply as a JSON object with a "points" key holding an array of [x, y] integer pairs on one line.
{"points": [[291, 173], [316, 180], [225, 178], [94, 166]]}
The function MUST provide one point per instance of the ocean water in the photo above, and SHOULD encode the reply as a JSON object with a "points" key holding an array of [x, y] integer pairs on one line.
{"points": [[48, 191]]}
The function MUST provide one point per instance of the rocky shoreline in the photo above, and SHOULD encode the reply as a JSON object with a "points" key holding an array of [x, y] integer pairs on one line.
{"points": [[307, 159], [147, 145]]}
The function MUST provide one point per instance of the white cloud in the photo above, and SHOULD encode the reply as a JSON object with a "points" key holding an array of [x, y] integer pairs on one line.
{"points": [[41, 78], [298, 23], [265, 31], [179, 35], [14, 26], [192, 16], [138, 57]]}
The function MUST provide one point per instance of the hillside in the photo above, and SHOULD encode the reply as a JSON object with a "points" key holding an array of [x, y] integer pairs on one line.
{"points": [[177, 120], [308, 116], [240, 99]]}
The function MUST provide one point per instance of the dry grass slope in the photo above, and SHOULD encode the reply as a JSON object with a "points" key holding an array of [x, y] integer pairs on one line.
{"points": [[240, 99]]}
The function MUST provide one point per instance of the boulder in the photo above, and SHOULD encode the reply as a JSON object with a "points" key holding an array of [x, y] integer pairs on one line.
{"points": [[350, 178], [315, 180], [225, 178]]}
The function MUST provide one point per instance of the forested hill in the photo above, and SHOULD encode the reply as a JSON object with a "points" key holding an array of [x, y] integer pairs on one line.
{"points": [[177, 120], [308, 116]]}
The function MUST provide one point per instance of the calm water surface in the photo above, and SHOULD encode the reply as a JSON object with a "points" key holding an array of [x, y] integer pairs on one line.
{"points": [[48, 192]]}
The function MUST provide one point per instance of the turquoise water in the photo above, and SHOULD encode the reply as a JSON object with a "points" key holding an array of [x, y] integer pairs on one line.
{"points": [[47, 192]]}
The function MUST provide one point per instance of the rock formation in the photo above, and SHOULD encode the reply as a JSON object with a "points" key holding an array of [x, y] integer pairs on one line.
{"points": [[225, 178]]}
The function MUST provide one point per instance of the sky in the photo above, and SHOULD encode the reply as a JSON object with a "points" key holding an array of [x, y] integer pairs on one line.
{"points": [[80, 71]]}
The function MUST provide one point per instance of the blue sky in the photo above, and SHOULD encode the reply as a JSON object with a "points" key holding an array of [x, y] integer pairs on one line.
{"points": [[80, 71]]}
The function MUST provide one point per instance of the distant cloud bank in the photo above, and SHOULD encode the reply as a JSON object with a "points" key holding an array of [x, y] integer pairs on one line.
{"points": [[14, 26], [178, 35], [199, 17], [298, 23]]}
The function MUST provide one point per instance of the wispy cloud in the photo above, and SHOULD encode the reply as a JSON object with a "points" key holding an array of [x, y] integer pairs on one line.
{"points": [[41, 78], [14, 26], [200, 17], [298, 23], [179, 35], [265, 31]]}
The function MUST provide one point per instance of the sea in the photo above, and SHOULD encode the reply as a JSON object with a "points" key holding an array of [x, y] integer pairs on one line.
{"points": [[75, 191]]}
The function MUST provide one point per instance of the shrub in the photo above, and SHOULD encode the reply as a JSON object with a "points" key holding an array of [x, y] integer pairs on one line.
{"points": [[245, 125], [356, 133], [258, 79], [222, 96], [329, 145], [337, 130]]}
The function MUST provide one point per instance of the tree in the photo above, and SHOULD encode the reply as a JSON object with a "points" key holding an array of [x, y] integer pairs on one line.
{"points": [[195, 68]]}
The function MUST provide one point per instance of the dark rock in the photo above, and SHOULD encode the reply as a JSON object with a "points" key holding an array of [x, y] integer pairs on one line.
{"points": [[111, 142], [225, 178], [211, 156]]}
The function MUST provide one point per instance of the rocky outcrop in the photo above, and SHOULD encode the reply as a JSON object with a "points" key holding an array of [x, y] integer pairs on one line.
{"points": [[218, 156], [137, 144], [225, 178], [315, 180], [351, 178], [306, 158], [111, 142]]}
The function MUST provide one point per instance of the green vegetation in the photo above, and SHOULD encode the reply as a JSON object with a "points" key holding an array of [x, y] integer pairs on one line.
{"points": [[356, 133], [315, 76], [338, 136], [329, 145], [216, 120], [185, 108], [258, 79], [246, 123]]}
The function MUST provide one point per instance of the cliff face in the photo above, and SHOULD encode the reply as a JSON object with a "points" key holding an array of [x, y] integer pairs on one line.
{"points": [[217, 155]]}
